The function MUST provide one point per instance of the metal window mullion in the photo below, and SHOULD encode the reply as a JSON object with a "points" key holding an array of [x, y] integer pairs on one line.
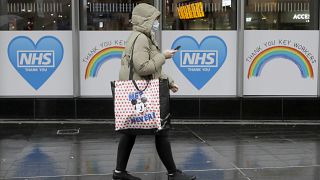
{"points": [[75, 7], [240, 49], [318, 75], [158, 5]]}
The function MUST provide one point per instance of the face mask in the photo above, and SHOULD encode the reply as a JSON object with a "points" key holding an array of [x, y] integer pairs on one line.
{"points": [[155, 25]]}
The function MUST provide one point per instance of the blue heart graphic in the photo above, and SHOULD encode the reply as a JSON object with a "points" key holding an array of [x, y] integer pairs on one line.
{"points": [[199, 63], [35, 62]]}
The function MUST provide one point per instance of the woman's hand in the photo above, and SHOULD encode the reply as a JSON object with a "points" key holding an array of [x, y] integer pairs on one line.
{"points": [[169, 53], [174, 88]]}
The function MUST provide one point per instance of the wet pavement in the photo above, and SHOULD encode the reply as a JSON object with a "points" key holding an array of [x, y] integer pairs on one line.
{"points": [[211, 152]]}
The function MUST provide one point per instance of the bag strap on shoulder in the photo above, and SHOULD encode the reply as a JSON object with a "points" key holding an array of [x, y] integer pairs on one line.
{"points": [[131, 68], [131, 59]]}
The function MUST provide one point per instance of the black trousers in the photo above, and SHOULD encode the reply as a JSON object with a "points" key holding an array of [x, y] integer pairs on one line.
{"points": [[162, 145]]}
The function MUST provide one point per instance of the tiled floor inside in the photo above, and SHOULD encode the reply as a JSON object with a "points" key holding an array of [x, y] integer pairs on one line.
{"points": [[211, 152]]}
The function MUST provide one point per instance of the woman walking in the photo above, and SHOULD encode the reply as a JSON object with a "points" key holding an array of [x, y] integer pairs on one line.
{"points": [[147, 62]]}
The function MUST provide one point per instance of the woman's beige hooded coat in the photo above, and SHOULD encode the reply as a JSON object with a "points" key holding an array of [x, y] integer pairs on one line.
{"points": [[147, 59]]}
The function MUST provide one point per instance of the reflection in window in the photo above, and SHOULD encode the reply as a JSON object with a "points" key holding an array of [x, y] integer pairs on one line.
{"points": [[35, 15], [281, 14], [199, 15], [107, 14]]}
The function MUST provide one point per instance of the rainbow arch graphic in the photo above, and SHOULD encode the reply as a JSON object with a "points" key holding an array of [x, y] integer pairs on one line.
{"points": [[285, 52], [100, 58]]}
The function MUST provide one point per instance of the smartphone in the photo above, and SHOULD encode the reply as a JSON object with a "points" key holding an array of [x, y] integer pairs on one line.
{"points": [[177, 48]]}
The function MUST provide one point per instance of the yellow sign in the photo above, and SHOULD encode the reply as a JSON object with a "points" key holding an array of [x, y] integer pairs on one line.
{"points": [[191, 10]]}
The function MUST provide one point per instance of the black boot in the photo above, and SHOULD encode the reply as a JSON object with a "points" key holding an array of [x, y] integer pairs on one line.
{"points": [[179, 175], [123, 175]]}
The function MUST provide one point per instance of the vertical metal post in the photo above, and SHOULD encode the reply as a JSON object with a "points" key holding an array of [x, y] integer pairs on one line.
{"points": [[318, 20], [158, 5], [76, 47], [240, 48]]}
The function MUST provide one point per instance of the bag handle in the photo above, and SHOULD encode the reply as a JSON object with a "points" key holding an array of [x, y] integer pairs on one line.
{"points": [[135, 85]]}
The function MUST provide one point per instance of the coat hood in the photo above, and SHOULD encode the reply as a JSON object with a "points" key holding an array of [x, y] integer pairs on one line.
{"points": [[143, 16]]}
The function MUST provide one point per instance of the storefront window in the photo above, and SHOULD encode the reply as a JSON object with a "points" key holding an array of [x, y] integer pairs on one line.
{"points": [[107, 14], [281, 14], [199, 15], [16, 15]]}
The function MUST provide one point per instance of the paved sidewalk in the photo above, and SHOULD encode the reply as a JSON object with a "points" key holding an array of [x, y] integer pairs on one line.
{"points": [[212, 152]]}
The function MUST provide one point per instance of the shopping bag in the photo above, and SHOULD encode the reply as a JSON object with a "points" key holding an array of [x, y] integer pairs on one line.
{"points": [[141, 106]]}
